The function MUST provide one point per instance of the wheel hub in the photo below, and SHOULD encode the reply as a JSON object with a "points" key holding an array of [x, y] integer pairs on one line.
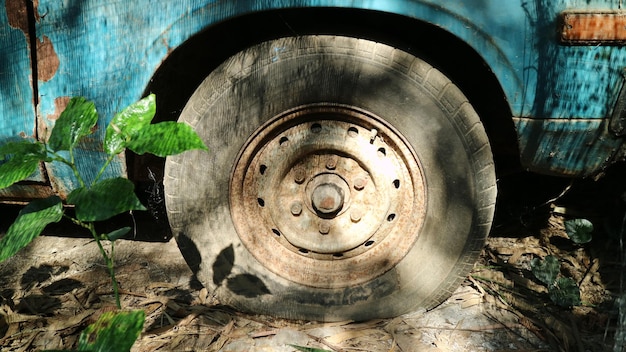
{"points": [[327, 196], [327, 199]]}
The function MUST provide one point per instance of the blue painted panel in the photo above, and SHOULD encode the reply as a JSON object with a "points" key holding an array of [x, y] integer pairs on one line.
{"points": [[17, 111], [109, 50], [516, 38], [565, 147], [16, 94]]}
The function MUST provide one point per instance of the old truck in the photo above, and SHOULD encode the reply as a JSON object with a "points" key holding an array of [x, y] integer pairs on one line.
{"points": [[354, 144]]}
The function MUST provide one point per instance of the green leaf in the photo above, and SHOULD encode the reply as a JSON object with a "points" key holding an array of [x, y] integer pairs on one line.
{"points": [[545, 270], [165, 138], [29, 224], [23, 161], [565, 292], [579, 230], [76, 121], [117, 234], [17, 169], [104, 199], [308, 349], [113, 331], [127, 123], [23, 147]]}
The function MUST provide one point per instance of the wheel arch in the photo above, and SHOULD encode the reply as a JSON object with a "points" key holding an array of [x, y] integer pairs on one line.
{"points": [[186, 66], [440, 128]]}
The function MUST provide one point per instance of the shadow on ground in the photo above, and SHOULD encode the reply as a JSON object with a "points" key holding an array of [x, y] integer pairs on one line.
{"points": [[57, 286]]}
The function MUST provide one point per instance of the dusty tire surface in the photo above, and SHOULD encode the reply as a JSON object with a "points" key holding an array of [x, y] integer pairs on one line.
{"points": [[234, 210]]}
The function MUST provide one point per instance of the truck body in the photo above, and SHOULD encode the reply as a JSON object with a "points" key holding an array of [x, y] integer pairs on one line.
{"points": [[553, 86]]}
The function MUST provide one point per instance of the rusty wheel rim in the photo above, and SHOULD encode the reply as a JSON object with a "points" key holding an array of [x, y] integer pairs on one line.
{"points": [[327, 196]]}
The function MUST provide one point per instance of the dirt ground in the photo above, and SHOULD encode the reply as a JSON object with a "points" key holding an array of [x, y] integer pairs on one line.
{"points": [[58, 285]]}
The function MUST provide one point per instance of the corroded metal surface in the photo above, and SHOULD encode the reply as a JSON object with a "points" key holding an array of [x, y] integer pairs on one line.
{"points": [[327, 196], [109, 51], [601, 27], [567, 147]]}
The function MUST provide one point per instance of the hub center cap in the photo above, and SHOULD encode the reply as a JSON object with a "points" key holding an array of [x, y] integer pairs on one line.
{"points": [[328, 195], [327, 198]]}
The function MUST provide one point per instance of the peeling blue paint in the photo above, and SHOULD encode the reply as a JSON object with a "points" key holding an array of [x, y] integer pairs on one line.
{"points": [[109, 50], [16, 93], [569, 147], [17, 111]]}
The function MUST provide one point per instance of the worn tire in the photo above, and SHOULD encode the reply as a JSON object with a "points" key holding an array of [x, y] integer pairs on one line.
{"points": [[449, 213]]}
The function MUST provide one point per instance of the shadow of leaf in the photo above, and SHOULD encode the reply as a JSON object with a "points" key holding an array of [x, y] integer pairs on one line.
{"points": [[223, 264], [38, 304], [247, 285], [6, 296], [62, 286], [36, 275]]}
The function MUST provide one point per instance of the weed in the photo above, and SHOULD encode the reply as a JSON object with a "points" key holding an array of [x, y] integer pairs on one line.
{"points": [[95, 201], [563, 291]]}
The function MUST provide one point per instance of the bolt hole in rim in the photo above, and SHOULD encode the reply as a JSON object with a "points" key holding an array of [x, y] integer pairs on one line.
{"points": [[337, 189]]}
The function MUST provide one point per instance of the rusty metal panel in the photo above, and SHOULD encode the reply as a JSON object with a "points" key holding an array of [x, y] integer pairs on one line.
{"points": [[16, 93], [108, 51], [565, 147], [602, 27], [17, 107], [617, 123]]}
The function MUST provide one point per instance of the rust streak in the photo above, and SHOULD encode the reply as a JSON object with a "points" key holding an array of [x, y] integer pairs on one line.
{"points": [[22, 15], [47, 59], [59, 105], [594, 27], [18, 15]]}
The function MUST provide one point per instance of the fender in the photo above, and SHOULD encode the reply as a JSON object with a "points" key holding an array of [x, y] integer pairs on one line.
{"points": [[109, 52]]}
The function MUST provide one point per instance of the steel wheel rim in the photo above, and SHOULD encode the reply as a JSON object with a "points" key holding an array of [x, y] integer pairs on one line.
{"points": [[327, 196]]}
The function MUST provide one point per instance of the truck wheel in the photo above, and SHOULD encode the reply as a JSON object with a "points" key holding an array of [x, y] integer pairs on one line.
{"points": [[345, 179]]}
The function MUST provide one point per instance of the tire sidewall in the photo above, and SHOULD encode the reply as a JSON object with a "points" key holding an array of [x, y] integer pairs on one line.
{"points": [[264, 81]]}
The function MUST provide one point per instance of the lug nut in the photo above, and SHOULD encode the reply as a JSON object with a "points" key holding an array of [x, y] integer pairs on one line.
{"points": [[324, 228], [331, 163], [356, 215], [327, 198], [359, 183], [296, 208], [299, 175]]}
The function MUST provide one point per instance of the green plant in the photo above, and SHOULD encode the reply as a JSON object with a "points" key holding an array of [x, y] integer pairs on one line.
{"points": [[579, 230], [562, 290], [112, 332], [99, 199]]}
